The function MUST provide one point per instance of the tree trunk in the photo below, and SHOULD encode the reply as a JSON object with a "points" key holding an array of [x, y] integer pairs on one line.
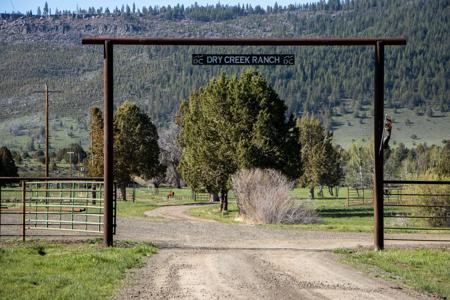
{"points": [[330, 190], [311, 192], [226, 201], [155, 188], [320, 193], [214, 197], [177, 178], [123, 191], [223, 201]]}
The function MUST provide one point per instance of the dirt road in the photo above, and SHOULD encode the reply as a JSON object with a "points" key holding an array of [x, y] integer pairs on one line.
{"points": [[210, 260]]}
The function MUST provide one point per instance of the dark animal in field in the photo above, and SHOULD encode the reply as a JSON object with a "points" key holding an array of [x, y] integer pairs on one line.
{"points": [[170, 195]]}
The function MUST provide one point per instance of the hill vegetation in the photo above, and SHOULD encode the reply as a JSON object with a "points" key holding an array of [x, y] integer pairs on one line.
{"points": [[335, 84]]}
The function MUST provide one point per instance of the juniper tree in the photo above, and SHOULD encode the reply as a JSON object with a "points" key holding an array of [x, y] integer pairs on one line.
{"points": [[320, 159], [235, 123], [95, 163], [7, 164], [136, 150]]}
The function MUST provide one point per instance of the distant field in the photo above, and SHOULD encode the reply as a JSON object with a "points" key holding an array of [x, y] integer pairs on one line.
{"points": [[406, 124], [409, 129], [70, 132]]}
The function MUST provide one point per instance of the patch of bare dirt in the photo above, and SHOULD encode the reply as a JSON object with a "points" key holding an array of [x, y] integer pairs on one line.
{"points": [[211, 260]]}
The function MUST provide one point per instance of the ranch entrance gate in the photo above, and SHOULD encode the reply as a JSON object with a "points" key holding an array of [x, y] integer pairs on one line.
{"points": [[378, 44]]}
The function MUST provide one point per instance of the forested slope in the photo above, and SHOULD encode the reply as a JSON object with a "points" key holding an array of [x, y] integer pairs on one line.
{"points": [[326, 81]]}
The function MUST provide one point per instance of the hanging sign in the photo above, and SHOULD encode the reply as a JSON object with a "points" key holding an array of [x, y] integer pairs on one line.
{"points": [[243, 59]]}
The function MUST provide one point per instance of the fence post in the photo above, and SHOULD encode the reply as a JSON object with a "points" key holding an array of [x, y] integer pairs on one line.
{"points": [[348, 196], [24, 195], [1, 209], [364, 202]]}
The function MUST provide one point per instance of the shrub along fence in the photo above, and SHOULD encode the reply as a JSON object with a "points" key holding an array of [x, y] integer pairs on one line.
{"points": [[417, 206]]}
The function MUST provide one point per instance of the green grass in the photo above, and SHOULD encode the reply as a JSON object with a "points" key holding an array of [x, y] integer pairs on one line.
{"points": [[45, 270], [136, 209], [334, 214], [211, 212], [347, 219], [355, 219], [146, 200], [426, 270]]}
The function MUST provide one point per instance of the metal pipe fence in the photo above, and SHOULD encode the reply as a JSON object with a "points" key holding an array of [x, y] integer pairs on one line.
{"points": [[417, 206], [35, 208]]}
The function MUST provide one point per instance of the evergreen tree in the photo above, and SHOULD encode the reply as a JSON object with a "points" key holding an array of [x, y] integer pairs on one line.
{"points": [[321, 161], [95, 163], [235, 123], [136, 150], [7, 164], [45, 9], [443, 167]]}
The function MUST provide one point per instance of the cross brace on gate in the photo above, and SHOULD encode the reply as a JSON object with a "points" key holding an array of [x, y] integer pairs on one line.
{"points": [[108, 85]]}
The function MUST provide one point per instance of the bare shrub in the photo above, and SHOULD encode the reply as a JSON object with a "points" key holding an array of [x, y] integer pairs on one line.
{"points": [[262, 197]]}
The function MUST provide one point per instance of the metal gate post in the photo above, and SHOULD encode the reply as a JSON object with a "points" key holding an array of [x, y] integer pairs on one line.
{"points": [[1, 208], [108, 143], [24, 197], [378, 210]]}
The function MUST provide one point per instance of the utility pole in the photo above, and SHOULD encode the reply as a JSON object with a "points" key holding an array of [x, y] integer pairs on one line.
{"points": [[46, 93]]}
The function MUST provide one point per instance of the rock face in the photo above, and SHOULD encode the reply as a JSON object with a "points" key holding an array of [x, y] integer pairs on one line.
{"points": [[69, 28]]}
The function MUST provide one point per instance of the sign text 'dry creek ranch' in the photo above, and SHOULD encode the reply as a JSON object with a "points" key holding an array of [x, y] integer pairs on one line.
{"points": [[243, 59]]}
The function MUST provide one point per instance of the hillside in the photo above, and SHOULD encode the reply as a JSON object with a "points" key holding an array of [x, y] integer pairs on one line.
{"points": [[334, 83]]}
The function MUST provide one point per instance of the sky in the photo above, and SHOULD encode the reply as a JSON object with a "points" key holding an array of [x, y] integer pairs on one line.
{"points": [[26, 5]]}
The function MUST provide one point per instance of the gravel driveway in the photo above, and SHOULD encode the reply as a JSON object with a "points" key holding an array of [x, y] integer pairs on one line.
{"points": [[210, 260]]}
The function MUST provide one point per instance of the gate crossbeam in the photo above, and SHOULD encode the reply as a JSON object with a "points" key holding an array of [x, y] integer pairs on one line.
{"points": [[356, 41]]}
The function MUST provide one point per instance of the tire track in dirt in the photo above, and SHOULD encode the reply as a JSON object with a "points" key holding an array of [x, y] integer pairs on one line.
{"points": [[211, 260], [250, 274]]}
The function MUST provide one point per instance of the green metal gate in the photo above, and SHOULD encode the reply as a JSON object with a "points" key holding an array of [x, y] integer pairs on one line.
{"points": [[33, 208]]}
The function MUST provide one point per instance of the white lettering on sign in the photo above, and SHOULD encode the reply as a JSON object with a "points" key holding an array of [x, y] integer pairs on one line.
{"points": [[243, 59]]}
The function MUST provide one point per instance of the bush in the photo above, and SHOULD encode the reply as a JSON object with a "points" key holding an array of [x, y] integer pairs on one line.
{"points": [[262, 197], [440, 197]]}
